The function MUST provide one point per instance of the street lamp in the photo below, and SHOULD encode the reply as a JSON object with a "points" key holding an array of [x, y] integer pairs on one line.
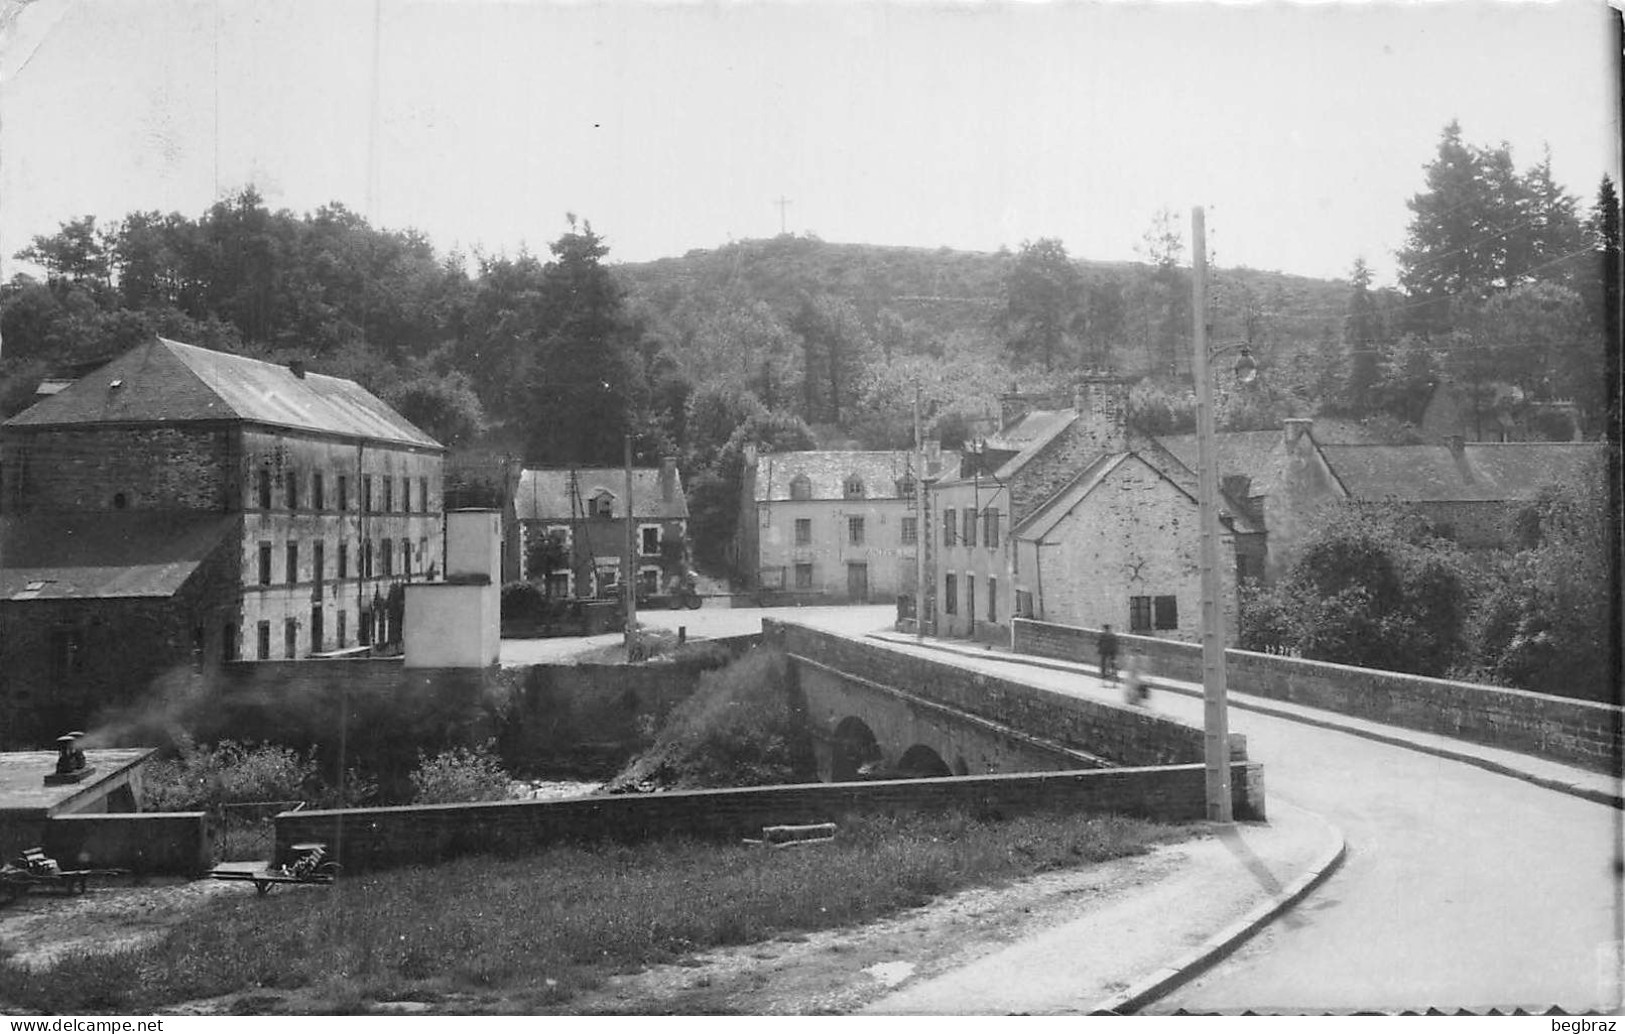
{"points": [[1215, 703]]}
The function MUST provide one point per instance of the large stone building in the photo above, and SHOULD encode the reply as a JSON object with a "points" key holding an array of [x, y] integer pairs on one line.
{"points": [[1067, 514], [181, 506], [839, 524], [584, 511]]}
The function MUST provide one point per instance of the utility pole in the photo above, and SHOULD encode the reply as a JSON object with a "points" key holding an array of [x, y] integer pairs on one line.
{"points": [[783, 203], [1215, 705], [629, 589], [921, 529]]}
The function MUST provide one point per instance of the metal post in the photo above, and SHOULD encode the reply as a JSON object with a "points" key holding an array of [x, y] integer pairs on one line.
{"points": [[629, 589], [1216, 718], [920, 529]]}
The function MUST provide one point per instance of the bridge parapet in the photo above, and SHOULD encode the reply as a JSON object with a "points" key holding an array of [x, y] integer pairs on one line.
{"points": [[1103, 733], [1577, 732]]}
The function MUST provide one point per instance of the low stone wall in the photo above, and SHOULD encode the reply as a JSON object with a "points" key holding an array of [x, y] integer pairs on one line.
{"points": [[1121, 734], [1576, 732], [379, 838], [178, 843]]}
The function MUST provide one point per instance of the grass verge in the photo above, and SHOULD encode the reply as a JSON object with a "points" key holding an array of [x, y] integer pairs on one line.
{"points": [[533, 932]]}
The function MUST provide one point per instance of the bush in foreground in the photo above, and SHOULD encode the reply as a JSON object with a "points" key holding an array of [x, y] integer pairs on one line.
{"points": [[538, 930]]}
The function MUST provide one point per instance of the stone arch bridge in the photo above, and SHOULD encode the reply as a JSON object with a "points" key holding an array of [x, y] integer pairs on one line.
{"points": [[876, 711]]}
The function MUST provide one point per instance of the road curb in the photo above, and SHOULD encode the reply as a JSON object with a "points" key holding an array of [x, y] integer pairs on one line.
{"points": [[1612, 800], [1224, 942]]}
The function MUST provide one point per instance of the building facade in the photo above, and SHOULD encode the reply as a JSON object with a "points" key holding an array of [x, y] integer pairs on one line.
{"points": [[1069, 515], [838, 524], [195, 507], [584, 512]]}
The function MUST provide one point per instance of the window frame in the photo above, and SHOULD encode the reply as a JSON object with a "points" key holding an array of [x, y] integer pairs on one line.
{"points": [[1139, 615], [854, 530], [1165, 613], [803, 531]]}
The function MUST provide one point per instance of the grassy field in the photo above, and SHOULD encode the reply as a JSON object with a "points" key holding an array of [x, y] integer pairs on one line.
{"points": [[528, 934]]}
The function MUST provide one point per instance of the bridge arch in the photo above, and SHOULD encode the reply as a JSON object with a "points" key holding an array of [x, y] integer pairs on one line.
{"points": [[922, 762], [854, 749]]}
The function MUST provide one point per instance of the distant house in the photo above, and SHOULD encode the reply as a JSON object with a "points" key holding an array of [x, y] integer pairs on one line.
{"points": [[179, 507], [843, 524], [1465, 489], [1067, 514], [584, 511]]}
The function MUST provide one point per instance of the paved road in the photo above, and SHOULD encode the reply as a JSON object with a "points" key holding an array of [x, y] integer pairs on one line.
{"points": [[709, 621], [1462, 888]]}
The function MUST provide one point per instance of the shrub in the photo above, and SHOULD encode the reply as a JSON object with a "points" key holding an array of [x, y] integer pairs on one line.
{"points": [[737, 729], [459, 775], [229, 773], [522, 601]]}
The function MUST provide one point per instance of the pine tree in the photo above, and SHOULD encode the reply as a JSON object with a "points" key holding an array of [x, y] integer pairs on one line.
{"points": [[581, 381]]}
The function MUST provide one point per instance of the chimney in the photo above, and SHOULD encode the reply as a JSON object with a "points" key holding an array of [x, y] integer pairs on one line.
{"points": [[1295, 427], [1012, 407], [1101, 403], [298, 368], [668, 478]]}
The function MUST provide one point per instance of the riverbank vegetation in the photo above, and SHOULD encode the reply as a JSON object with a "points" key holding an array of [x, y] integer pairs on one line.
{"points": [[737, 729], [528, 935]]}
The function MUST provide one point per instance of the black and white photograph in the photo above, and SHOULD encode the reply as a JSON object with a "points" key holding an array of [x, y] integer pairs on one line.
{"points": [[884, 509]]}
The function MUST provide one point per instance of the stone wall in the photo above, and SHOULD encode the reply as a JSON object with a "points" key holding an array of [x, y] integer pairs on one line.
{"points": [[380, 838], [179, 843], [1124, 735], [85, 469], [128, 650], [1576, 732]]}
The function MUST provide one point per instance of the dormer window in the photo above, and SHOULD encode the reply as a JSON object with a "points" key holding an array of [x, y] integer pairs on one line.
{"points": [[853, 489], [120, 501], [603, 504], [801, 487]]}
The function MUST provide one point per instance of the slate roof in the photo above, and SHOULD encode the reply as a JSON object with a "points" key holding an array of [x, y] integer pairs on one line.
{"points": [[164, 381], [1025, 437], [1044, 519], [1254, 454], [544, 495], [827, 470], [105, 556], [1483, 472]]}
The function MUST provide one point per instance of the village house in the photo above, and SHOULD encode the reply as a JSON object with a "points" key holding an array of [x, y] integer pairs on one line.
{"points": [[838, 524], [1466, 490], [180, 507], [583, 510], [1067, 514]]}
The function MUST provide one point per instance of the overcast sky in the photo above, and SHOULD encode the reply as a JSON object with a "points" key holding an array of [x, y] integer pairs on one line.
{"points": [[1303, 129]]}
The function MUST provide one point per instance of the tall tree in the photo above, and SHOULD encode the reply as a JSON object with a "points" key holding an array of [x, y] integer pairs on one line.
{"points": [[1042, 298], [1360, 340], [836, 348], [1480, 227], [581, 377]]}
